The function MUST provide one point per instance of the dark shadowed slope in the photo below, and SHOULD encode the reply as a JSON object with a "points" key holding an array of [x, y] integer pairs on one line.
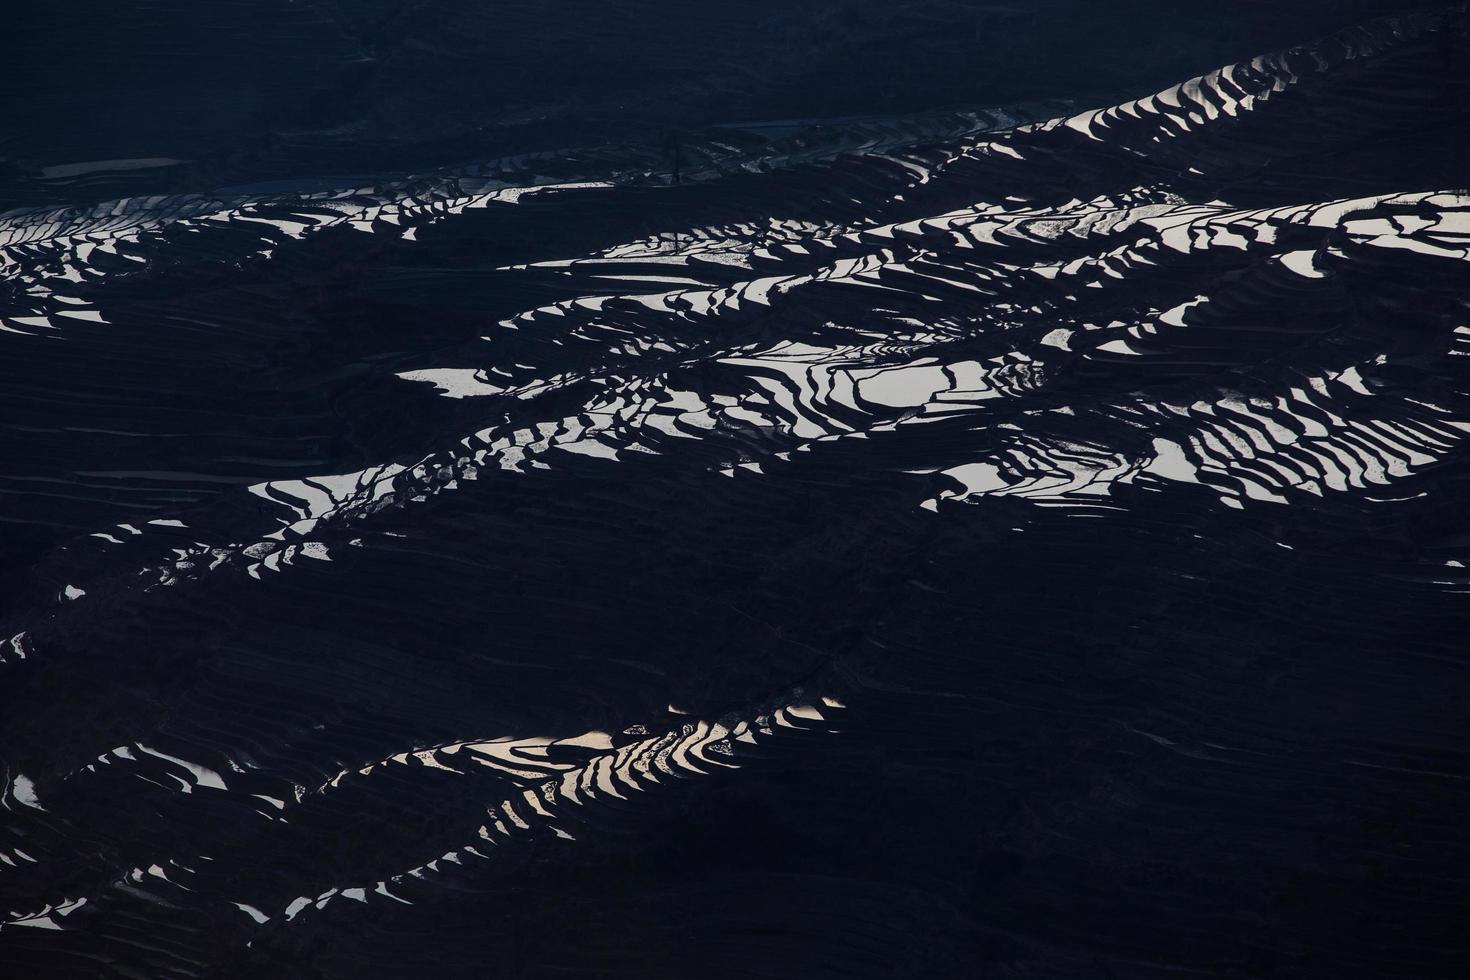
{"points": [[971, 544]]}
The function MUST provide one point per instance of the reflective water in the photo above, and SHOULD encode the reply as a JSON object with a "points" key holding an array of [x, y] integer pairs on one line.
{"points": [[1016, 540]]}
